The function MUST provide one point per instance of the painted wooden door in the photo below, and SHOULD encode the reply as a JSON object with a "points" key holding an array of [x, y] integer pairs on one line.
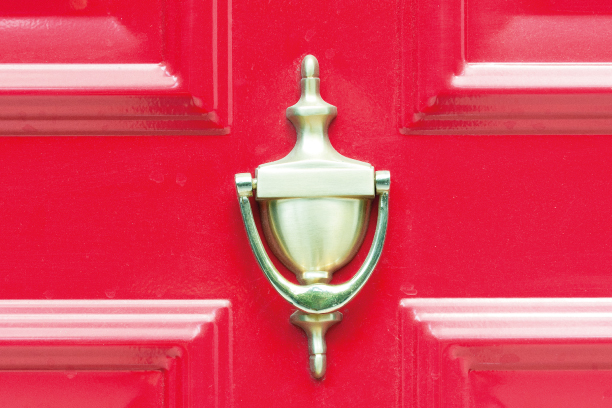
{"points": [[125, 270]]}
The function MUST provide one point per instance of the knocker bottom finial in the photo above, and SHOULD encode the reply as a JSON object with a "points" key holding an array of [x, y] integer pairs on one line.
{"points": [[315, 326]]}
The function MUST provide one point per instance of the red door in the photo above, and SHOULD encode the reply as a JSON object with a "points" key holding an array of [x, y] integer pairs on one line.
{"points": [[125, 123]]}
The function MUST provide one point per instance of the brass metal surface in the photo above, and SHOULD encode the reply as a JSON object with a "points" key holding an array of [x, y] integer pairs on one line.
{"points": [[314, 237], [315, 326]]}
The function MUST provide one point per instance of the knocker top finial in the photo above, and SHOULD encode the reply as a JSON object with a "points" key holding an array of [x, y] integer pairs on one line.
{"points": [[310, 67], [313, 168], [311, 114]]}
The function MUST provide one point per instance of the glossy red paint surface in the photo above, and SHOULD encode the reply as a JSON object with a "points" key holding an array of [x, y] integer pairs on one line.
{"points": [[156, 217], [83, 388]]}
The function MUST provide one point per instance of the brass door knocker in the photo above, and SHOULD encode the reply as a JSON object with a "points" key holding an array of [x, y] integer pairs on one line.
{"points": [[315, 206]]}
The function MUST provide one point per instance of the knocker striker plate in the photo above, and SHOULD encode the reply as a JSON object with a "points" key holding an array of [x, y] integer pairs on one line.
{"points": [[314, 207]]}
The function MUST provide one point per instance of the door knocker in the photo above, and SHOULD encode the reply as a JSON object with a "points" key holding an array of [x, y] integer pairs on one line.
{"points": [[315, 206]]}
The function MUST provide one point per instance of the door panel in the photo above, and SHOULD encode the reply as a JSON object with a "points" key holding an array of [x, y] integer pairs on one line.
{"points": [[154, 216], [100, 67], [113, 353], [476, 67], [506, 352]]}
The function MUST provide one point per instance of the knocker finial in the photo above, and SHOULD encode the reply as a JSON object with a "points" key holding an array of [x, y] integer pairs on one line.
{"points": [[310, 67]]}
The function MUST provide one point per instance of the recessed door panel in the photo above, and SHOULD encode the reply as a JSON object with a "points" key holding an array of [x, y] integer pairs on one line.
{"points": [[506, 352], [479, 67], [85, 67], [115, 353]]}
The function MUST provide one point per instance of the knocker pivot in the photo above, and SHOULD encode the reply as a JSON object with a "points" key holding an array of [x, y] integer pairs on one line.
{"points": [[315, 206]]}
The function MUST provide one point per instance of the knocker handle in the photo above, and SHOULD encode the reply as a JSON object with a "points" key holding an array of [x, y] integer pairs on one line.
{"points": [[318, 297]]}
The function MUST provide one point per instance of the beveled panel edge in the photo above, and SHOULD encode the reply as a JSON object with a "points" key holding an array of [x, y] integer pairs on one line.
{"points": [[505, 318], [112, 320], [87, 76]]}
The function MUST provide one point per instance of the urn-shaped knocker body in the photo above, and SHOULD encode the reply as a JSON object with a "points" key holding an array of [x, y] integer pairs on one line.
{"points": [[315, 205]]}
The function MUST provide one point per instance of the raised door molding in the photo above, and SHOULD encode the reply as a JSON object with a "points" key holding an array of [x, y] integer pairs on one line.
{"points": [[121, 68], [115, 353], [517, 67], [460, 353]]}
